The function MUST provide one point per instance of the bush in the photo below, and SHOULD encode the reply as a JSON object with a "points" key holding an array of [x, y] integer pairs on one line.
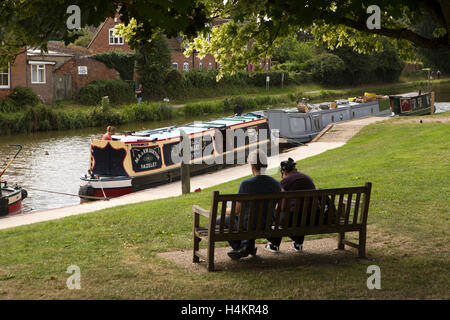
{"points": [[118, 92], [327, 69], [22, 96], [148, 112], [8, 105]]}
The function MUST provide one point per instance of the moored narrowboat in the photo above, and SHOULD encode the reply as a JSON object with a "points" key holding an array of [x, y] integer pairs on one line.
{"points": [[11, 199], [149, 158], [301, 125], [412, 104]]}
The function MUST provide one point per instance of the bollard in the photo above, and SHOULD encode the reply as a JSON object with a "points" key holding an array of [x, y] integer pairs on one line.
{"points": [[185, 168], [432, 103]]}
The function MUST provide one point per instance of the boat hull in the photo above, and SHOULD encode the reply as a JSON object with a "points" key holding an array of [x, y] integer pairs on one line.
{"points": [[11, 200]]}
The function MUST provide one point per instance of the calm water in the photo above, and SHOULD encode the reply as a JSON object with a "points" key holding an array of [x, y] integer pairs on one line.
{"points": [[55, 160]]}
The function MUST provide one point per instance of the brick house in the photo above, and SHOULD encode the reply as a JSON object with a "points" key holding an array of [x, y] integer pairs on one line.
{"points": [[53, 75], [105, 40]]}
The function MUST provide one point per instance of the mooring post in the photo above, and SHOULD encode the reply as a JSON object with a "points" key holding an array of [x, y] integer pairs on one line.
{"points": [[185, 163], [432, 103]]}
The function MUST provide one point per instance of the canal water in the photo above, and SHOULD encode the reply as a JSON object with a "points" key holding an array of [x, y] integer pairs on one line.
{"points": [[54, 161]]}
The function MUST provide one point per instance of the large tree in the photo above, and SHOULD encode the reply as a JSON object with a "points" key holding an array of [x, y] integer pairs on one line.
{"points": [[262, 23]]}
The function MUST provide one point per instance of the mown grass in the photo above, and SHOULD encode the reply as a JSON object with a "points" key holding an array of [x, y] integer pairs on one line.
{"points": [[116, 249]]}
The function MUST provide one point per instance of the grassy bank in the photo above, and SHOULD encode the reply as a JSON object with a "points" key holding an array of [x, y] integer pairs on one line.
{"points": [[408, 235]]}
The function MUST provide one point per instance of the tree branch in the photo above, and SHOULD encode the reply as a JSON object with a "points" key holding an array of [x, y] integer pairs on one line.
{"points": [[402, 33]]}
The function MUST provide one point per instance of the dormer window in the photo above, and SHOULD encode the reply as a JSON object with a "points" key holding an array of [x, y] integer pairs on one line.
{"points": [[113, 39]]}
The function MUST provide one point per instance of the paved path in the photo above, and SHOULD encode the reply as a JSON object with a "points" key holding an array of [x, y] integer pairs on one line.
{"points": [[202, 181]]}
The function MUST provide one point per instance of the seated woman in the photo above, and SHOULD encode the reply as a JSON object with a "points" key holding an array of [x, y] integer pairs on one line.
{"points": [[110, 131], [293, 180]]}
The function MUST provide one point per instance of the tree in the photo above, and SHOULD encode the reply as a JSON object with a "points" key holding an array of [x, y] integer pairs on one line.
{"points": [[152, 65], [435, 58], [255, 26]]}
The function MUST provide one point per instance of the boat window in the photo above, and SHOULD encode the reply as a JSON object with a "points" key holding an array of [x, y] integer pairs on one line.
{"points": [[332, 118], [341, 116]]}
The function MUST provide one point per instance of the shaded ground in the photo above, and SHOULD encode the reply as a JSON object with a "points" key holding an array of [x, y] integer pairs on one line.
{"points": [[319, 251]]}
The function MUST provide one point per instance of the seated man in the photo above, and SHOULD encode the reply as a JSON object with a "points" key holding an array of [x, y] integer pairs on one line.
{"points": [[259, 183], [292, 181]]}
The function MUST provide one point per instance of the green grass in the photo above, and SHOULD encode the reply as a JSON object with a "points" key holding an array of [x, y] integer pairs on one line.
{"points": [[408, 235]]}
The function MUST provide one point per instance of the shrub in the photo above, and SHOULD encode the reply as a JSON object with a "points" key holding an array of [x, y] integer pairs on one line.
{"points": [[22, 96], [8, 105], [118, 92], [327, 68]]}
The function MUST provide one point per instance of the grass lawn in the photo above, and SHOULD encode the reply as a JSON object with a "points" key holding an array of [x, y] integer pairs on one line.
{"points": [[408, 235]]}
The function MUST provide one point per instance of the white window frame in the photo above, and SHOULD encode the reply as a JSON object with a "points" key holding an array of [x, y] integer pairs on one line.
{"points": [[175, 65], [186, 66], [38, 67], [210, 66], [8, 86], [200, 66], [119, 39]]}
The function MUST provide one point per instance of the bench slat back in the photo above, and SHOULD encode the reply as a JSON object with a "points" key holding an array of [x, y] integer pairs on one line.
{"points": [[301, 209]]}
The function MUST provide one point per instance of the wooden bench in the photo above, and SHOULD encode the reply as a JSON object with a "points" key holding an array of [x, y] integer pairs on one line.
{"points": [[349, 214]]}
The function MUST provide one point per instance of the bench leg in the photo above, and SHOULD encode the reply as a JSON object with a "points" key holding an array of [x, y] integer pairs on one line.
{"points": [[341, 238], [196, 259], [210, 257], [362, 244]]}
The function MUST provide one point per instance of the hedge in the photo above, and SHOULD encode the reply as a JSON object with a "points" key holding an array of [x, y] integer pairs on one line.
{"points": [[118, 91]]}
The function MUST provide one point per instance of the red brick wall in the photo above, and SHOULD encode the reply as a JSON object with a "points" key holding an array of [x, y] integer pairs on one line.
{"points": [[18, 75], [45, 90], [96, 70], [101, 41], [194, 63]]}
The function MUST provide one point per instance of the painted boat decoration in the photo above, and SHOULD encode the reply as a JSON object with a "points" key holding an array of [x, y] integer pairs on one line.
{"points": [[11, 199], [412, 104], [300, 127], [145, 159]]}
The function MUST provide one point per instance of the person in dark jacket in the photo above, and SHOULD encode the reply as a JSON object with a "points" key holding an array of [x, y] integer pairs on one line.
{"points": [[259, 183], [293, 180]]}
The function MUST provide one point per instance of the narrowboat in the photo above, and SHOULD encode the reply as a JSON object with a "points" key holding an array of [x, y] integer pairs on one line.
{"points": [[412, 104], [11, 199], [149, 158], [298, 125]]}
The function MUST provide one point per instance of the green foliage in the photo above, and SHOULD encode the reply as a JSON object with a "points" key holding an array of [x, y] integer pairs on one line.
{"points": [[118, 91], [293, 50], [119, 60], [327, 69], [153, 61], [148, 112], [384, 66], [8, 105], [23, 96], [228, 104], [438, 59], [85, 38]]}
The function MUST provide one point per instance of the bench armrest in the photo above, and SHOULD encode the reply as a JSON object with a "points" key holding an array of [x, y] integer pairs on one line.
{"points": [[199, 210]]}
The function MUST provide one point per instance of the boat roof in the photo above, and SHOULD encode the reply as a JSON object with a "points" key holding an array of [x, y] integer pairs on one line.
{"points": [[190, 128], [409, 94]]}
